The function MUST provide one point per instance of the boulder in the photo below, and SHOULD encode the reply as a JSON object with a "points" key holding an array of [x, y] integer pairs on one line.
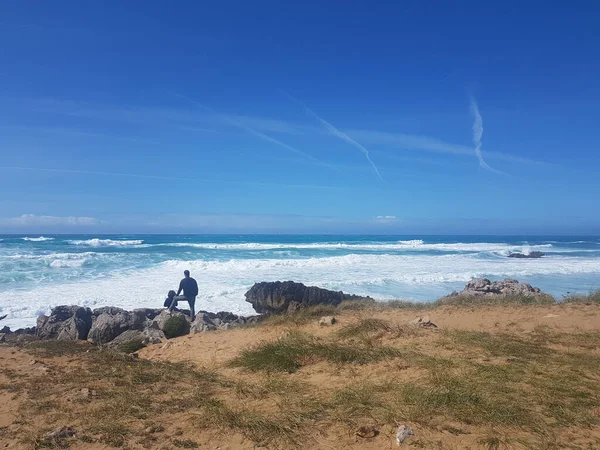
{"points": [[202, 323], [109, 322], [284, 297], [65, 323], [159, 321], [535, 254], [108, 325], [148, 336]]}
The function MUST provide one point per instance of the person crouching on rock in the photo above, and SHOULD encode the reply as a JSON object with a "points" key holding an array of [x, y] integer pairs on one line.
{"points": [[170, 302]]}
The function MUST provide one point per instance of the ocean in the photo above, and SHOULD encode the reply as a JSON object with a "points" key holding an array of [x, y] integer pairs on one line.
{"points": [[132, 271]]}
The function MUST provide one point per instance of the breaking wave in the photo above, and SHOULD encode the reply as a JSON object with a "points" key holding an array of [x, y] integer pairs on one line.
{"points": [[96, 242], [38, 239]]}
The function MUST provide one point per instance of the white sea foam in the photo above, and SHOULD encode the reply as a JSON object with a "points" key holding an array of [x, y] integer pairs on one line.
{"points": [[67, 263], [223, 283], [96, 242], [38, 239], [417, 245]]}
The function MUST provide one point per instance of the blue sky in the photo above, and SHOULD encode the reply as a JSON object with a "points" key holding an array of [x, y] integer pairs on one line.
{"points": [[378, 117]]}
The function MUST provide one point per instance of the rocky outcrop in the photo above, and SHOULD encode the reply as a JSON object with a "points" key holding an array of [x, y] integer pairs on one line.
{"points": [[482, 287], [531, 255], [284, 297], [67, 323], [111, 325]]}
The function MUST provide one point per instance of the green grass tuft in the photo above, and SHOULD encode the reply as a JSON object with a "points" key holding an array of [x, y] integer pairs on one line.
{"points": [[176, 326], [482, 300], [364, 326], [131, 346], [295, 350]]}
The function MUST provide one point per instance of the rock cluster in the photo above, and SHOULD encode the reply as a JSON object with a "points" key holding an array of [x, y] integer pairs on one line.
{"points": [[506, 287], [114, 326], [531, 255], [279, 297]]}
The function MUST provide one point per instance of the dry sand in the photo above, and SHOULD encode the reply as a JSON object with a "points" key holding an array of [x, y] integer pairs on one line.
{"points": [[212, 350]]}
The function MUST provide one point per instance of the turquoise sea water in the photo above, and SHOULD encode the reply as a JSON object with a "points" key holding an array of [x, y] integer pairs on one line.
{"points": [[39, 272]]}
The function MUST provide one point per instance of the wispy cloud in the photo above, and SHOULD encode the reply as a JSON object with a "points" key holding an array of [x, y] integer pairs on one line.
{"points": [[253, 131], [478, 133], [385, 217], [30, 220], [159, 177], [168, 117], [75, 132], [336, 132]]}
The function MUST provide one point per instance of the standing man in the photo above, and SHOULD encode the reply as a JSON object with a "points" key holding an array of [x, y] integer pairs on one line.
{"points": [[190, 290]]}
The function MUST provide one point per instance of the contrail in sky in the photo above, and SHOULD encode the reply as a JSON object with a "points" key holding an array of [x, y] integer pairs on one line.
{"points": [[333, 130], [478, 133], [256, 133]]}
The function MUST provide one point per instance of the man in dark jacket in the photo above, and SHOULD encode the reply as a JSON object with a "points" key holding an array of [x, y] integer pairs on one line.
{"points": [[190, 290]]}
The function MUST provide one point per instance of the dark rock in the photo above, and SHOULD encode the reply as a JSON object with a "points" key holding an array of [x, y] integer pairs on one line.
{"points": [[140, 315], [5, 330], [226, 316], [284, 297], [4, 316], [526, 255], [68, 323], [112, 310], [29, 331]]}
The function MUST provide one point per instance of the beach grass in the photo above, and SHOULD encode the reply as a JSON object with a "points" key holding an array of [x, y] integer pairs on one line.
{"points": [[591, 298]]}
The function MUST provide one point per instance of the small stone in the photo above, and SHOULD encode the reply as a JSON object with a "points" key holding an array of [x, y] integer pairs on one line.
{"points": [[60, 433], [403, 433], [327, 321], [32, 362], [366, 431], [424, 322], [84, 393]]}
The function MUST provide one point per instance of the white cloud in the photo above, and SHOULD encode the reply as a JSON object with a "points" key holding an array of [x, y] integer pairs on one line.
{"points": [[386, 217], [32, 220]]}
